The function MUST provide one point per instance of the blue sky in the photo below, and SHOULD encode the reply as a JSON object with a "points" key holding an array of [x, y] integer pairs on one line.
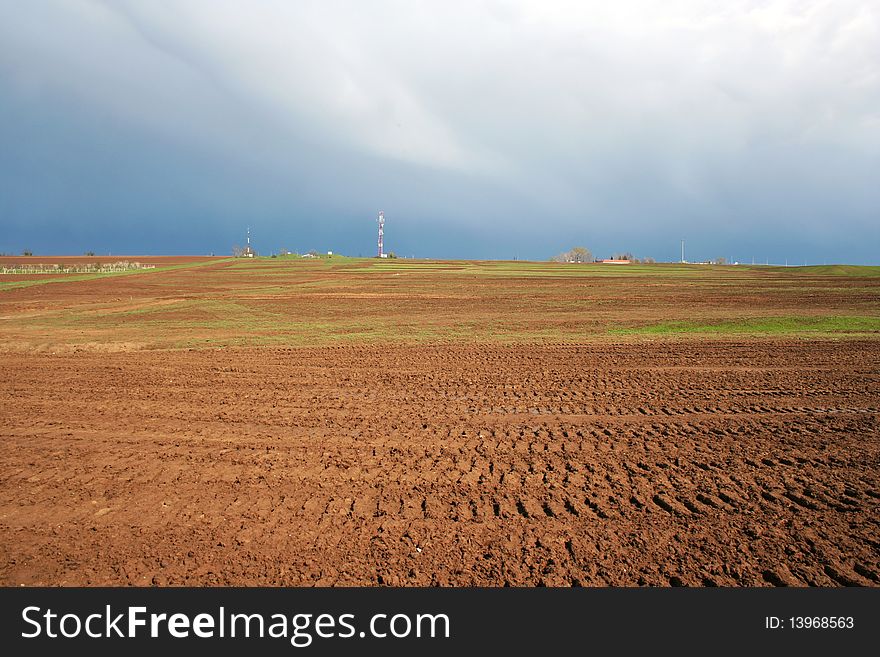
{"points": [[482, 129]]}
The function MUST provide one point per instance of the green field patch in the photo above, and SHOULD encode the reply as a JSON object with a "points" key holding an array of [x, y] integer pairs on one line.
{"points": [[850, 271], [788, 325]]}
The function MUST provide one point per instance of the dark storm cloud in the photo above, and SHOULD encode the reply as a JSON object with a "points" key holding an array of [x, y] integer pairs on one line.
{"points": [[482, 129]]}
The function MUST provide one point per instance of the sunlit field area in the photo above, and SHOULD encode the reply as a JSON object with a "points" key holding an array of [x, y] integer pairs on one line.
{"points": [[342, 421]]}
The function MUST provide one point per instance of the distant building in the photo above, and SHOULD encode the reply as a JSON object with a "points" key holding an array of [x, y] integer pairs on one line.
{"points": [[612, 261]]}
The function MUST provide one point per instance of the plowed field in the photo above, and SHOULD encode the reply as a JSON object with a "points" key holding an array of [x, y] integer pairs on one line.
{"points": [[149, 442]]}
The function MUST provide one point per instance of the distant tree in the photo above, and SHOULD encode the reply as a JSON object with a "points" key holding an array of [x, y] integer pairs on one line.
{"points": [[313, 253], [648, 260], [721, 261], [626, 255], [577, 254], [237, 251], [581, 254], [27, 252], [89, 253]]}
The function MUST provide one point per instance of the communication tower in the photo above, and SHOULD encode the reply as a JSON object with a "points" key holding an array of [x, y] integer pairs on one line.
{"points": [[381, 222]]}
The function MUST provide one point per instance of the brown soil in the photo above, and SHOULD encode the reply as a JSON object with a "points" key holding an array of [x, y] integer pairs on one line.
{"points": [[703, 463]]}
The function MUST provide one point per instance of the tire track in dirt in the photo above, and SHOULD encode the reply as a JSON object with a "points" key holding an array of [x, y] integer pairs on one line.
{"points": [[696, 464]]}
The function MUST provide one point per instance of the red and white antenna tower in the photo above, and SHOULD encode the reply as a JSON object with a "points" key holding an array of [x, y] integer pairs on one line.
{"points": [[381, 222]]}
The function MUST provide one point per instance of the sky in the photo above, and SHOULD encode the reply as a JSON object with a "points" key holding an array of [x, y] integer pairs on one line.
{"points": [[483, 129]]}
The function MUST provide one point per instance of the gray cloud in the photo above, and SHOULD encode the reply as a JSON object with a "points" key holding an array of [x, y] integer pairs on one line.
{"points": [[483, 129]]}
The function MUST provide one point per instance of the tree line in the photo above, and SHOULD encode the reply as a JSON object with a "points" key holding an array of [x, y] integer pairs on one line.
{"points": [[583, 254]]}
